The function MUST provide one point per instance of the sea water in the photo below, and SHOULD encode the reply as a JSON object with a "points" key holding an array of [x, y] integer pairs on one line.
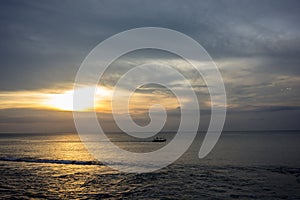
{"points": [[243, 165]]}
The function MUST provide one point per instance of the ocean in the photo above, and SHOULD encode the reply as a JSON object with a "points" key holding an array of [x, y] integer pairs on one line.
{"points": [[243, 165]]}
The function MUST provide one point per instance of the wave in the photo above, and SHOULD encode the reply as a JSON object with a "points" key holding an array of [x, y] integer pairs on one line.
{"points": [[32, 160]]}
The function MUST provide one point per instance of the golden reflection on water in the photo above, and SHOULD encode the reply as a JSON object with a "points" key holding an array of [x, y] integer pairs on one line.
{"points": [[66, 147]]}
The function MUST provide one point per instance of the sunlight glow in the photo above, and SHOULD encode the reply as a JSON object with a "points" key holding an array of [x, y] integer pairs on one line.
{"points": [[64, 101]]}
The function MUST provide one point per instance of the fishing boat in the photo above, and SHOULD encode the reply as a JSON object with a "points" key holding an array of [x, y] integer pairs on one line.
{"points": [[159, 139]]}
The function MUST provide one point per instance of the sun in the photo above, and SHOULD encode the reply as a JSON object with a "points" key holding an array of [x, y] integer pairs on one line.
{"points": [[64, 101]]}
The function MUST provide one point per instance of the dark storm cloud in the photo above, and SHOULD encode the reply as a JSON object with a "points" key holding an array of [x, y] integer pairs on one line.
{"points": [[43, 42]]}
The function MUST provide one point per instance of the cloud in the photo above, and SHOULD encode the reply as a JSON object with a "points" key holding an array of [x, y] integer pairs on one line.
{"points": [[256, 44], [43, 43], [27, 120]]}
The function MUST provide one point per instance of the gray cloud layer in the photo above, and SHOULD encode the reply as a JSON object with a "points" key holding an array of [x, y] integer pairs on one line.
{"points": [[256, 44], [44, 42]]}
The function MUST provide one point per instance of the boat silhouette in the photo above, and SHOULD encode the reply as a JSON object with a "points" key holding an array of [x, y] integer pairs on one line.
{"points": [[159, 139]]}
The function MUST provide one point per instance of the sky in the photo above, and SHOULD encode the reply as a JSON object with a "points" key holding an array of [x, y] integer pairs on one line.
{"points": [[255, 44]]}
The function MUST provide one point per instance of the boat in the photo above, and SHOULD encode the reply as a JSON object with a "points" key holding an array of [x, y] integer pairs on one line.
{"points": [[159, 139]]}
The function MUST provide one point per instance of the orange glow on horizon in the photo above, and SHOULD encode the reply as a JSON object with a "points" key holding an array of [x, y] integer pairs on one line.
{"points": [[47, 99]]}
